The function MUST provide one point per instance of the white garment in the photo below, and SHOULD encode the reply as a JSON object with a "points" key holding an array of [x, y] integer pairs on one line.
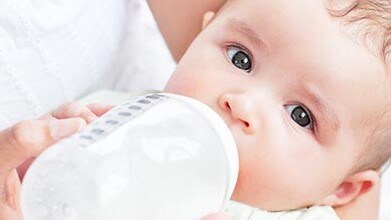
{"points": [[239, 211], [385, 197], [144, 62], [52, 51]]}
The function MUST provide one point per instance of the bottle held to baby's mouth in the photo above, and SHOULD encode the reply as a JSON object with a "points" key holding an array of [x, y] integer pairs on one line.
{"points": [[158, 156]]}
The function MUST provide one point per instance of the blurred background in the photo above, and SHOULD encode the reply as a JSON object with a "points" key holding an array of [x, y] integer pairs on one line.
{"points": [[144, 61]]}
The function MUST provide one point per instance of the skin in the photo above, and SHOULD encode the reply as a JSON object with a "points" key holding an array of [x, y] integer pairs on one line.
{"points": [[257, 105], [180, 28], [22, 142]]}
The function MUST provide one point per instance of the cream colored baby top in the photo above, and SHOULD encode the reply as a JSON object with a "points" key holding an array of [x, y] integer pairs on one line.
{"points": [[239, 211]]}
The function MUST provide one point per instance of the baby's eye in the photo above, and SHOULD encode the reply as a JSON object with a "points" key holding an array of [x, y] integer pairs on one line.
{"points": [[301, 115], [240, 58]]}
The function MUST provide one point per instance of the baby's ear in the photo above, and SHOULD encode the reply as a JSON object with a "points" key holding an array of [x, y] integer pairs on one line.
{"points": [[208, 16], [353, 187]]}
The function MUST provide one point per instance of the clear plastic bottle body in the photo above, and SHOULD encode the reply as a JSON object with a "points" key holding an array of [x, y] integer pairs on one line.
{"points": [[160, 156]]}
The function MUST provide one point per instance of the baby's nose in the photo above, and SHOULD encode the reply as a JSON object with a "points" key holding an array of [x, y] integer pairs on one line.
{"points": [[240, 111]]}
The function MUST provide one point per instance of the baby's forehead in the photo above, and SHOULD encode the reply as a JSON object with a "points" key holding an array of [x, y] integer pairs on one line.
{"points": [[264, 5], [367, 22], [278, 14]]}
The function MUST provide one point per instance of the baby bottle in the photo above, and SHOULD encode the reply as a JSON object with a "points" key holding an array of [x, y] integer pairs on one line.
{"points": [[158, 156]]}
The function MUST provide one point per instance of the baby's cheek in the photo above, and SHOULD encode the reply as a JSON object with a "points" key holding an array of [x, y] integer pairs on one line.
{"points": [[266, 182], [178, 83], [257, 183]]}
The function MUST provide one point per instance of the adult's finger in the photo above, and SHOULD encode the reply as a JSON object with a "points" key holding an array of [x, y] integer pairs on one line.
{"points": [[22, 169], [29, 138], [99, 109], [74, 109]]}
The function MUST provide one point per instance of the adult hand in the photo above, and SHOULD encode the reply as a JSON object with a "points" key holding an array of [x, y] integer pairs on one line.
{"points": [[22, 142]]}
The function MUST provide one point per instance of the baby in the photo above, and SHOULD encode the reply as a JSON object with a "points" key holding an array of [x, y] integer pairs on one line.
{"points": [[304, 87]]}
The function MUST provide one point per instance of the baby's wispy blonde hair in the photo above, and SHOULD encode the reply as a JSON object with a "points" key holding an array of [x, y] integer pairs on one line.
{"points": [[369, 22]]}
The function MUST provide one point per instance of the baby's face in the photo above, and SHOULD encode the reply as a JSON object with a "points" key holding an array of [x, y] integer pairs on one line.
{"points": [[293, 89]]}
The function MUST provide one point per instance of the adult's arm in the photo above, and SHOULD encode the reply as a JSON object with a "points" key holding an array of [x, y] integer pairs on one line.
{"points": [[181, 20]]}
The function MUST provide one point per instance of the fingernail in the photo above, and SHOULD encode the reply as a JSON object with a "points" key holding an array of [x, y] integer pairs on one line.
{"points": [[88, 116], [65, 127], [91, 118], [100, 105]]}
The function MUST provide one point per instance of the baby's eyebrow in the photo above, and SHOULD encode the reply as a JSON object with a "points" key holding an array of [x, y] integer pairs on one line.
{"points": [[246, 30], [330, 118]]}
